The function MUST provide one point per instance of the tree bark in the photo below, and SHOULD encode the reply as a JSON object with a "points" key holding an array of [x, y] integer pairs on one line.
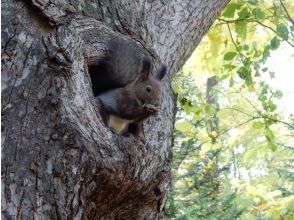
{"points": [[59, 160]]}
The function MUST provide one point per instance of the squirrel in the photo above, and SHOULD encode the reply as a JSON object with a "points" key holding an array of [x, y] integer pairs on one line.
{"points": [[135, 102], [118, 67], [130, 93]]}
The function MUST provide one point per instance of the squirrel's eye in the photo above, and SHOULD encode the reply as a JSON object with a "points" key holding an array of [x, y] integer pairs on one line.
{"points": [[148, 88]]}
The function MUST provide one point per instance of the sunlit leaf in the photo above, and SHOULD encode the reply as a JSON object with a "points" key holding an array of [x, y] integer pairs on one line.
{"points": [[184, 126], [230, 10], [229, 56], [243, 72], [250, 156], [272, 146], [241, 29], [244, 13], [258, 13], [271, 106], [197, 114], [258, 124], [229, 66]]}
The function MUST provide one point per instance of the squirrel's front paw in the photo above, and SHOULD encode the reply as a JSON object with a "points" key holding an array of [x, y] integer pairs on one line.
{"points": [[150, 108]]}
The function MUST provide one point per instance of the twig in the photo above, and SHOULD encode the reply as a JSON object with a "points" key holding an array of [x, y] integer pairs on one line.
{"points": [[290, 19], [234, 40], [262, 116], [252, 20], [273, 30]]}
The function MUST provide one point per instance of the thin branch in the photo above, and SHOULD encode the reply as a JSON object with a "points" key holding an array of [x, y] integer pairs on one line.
{"points": [[233, 21], [290, 19], [234, 42], [243, 19], [262, 116], [276, 120], [252, 105], [273, 30], [238, 110], [252, 20], [237, 126]]}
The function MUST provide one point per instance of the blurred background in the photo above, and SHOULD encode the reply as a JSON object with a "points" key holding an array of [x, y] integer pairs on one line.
{"points": [[234, 133]]}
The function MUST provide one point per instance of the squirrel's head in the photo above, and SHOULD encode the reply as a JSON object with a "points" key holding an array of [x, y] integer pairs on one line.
{"points": [[147, 86]]}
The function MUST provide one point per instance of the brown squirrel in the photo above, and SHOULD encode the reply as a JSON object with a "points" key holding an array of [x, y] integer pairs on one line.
{"points": [[124, 107], [135, 102], [118, 67]]}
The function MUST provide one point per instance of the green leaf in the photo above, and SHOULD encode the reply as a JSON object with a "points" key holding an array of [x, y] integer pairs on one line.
{"points": [[229, 66], [257, 125], [197, 114], [187, 108], [282, 31], [264, 89], [209, 110], [278, 94], [247, 61], [244, 13], [243, 72], [272, 74], [272, 146], [254, 45], [250, 156], [275, 43], [271, 106], [258, 14], [229, 56], [241, 29], [245, 47], [230, 10], [266, 53], [184, 126], [269, 135], [253, 2], [292, 30]]}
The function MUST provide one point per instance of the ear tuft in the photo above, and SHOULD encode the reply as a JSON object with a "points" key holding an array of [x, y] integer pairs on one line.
{"points": [[160, 73], [145, 68]]}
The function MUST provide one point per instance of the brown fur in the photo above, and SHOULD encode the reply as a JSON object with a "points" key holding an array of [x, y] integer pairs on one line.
{"points": [[135, 102]]}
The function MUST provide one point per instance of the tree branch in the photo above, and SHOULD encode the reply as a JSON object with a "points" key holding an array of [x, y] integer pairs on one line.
{"points": [[253, 20], [261, 116], [290, 19], [273, 30], [234, 41]]}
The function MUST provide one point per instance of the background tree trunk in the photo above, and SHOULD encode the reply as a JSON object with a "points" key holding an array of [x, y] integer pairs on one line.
{"points": [[59, 161]]}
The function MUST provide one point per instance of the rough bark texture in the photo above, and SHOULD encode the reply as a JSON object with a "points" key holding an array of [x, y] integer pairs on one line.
{"points": [[58, 159]]}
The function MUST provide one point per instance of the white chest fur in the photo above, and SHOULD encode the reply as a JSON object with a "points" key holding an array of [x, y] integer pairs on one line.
{"points": [[118, 124]]}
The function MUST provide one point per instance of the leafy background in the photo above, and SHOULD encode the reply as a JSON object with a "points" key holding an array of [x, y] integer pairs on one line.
{"points": [[233, 140]]}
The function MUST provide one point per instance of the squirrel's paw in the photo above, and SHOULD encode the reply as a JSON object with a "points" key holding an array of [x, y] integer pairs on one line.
{"points": [[150, 108]]}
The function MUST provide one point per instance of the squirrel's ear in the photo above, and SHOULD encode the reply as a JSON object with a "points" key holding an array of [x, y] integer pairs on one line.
{"points": [[160, 73], [145, 68]]}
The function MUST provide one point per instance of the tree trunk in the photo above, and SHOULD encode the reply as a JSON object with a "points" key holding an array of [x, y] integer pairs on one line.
{"points": [[59, 160]]}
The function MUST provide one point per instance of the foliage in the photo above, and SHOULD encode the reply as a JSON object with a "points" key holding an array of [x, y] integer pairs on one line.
{"points": [[232, 156]]}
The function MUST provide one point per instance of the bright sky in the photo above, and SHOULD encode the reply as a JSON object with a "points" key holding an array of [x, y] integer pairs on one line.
{"points": [[282, 63]]}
